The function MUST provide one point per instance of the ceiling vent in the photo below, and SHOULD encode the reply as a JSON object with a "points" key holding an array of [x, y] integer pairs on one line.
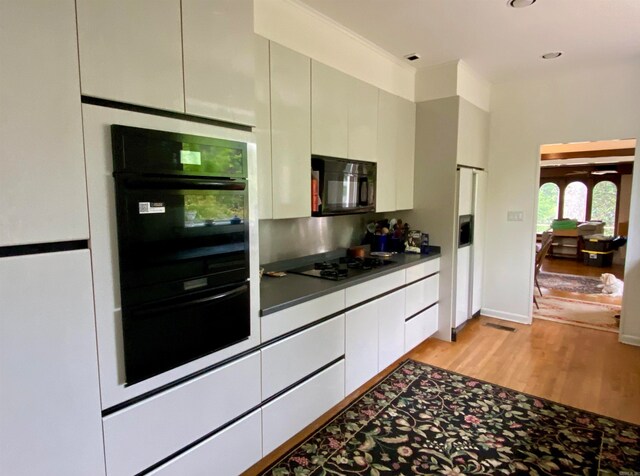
{"points": [[412, 56], [553, 55], [520, 3]]}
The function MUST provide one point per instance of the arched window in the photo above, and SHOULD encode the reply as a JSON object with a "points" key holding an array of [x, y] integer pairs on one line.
{"points": [[548, 203], [575, 201], [603, 205]]}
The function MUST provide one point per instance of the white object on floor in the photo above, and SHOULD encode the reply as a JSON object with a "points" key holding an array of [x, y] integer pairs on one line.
{"points": [[611, 284]]}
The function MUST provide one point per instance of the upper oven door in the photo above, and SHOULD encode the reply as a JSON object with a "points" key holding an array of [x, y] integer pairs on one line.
{"points": [[177, 235], [146, 151]]}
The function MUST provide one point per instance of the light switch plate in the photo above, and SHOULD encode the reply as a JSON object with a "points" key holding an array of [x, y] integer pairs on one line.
{"points": [[515, 215]]}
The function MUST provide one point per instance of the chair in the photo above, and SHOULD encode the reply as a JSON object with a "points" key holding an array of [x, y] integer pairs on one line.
{"points": [[547, 240]]}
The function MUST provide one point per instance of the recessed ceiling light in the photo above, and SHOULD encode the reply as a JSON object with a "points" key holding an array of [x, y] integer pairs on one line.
{"points": [[412, 56], [520, 3], [553, 55]]}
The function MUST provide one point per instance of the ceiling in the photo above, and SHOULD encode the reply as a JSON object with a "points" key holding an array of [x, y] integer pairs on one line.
{"points": [[498, 42]]}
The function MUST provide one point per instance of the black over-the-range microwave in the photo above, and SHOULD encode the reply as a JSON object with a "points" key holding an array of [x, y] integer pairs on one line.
{"points": [[341, 186]]}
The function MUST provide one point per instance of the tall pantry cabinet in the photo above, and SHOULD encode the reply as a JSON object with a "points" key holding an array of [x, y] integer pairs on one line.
{"points": [[49, 397]]}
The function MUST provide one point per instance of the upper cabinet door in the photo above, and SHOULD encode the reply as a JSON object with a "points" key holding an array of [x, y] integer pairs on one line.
{"points": [[405, 160], [42, 181], [290, 132], [473, 135], [131, 51], [329, 111], [465, 191], [262, 130], [388, 125], [219, 59], [363, 121]]}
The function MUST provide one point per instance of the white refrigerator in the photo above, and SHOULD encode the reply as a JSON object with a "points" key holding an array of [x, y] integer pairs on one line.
{"points": [[471, 190]]}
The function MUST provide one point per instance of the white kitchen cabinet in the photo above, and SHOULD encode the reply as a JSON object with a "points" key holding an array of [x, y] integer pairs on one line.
{"points": [[422, 294], [465, 191], [388, 129], [290, 132], [422, 270], [391, 320], [231, 451], [421, 327], [292, 318], [132, 51], [361, 350], [149, 431], [374, 338], [49, 391], [262, 130], [42, 183], [374, 287], [363, 121], [405, 159], [218, 45], [283, 417], [311, 349], [473, 135], [329, 111]]}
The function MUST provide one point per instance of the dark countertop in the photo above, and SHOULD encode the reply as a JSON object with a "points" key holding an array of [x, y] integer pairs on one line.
{"points": [[277, 294]]}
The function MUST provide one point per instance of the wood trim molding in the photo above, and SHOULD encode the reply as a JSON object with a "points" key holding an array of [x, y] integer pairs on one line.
{"points": [[589, 154]]}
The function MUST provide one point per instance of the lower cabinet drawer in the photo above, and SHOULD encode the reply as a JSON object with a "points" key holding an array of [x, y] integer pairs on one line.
{"points": [[422, 294], [153, 429], [229, 452], [291, 359], [421, 270], [418, 328], [291, 412]]}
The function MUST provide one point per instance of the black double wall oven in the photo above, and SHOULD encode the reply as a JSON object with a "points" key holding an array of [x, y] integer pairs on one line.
{"points": [[183, 241]]}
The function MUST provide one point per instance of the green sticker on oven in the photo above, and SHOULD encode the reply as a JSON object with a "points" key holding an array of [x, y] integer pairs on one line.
{"points": [[190, 157]]}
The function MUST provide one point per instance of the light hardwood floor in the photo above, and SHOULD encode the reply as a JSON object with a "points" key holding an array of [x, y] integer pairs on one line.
{"points": [[572, 266], [580, 367]]}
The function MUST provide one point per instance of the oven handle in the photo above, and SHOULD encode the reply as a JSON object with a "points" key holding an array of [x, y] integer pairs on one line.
{"points": [[172, 307], [168, 183]]}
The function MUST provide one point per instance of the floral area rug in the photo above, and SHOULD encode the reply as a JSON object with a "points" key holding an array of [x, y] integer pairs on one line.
{"points": [[569, 282], [425, 420], [592, 315]]}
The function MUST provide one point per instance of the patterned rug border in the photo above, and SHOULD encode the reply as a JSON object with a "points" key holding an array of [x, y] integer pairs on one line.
{"points": [[400, 392], [562, 298], [592, 281]]}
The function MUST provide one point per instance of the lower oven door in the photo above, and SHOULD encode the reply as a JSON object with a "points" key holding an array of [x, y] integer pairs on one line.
{"points": [[162, 336], [172, 230]]}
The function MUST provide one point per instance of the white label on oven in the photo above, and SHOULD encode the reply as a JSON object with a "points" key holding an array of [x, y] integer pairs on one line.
{"points": [[145, 208]]}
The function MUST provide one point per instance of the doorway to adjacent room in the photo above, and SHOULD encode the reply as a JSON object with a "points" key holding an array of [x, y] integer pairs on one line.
{"points": [[583, 202]]}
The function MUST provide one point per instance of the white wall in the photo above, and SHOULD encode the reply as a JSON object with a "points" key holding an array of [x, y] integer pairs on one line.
{"points": [[450, 79], [437, 82], [567, 107], [296, 26]]}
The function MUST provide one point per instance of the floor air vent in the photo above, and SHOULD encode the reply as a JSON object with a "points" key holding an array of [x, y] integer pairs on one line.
{"points": [[498, 326]]}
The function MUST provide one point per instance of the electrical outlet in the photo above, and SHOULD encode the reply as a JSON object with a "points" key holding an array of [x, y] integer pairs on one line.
{"points": [[515, 215]]}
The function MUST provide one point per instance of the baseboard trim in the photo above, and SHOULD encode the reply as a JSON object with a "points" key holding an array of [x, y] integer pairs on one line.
{"points": [[631, 340], [507, 316]]}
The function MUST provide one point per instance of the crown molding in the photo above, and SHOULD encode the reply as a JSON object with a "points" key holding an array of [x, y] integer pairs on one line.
{"points": [[361, 39]]}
